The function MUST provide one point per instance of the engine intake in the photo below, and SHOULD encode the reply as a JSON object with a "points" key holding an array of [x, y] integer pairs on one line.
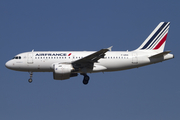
{"points": [[63, 71]]}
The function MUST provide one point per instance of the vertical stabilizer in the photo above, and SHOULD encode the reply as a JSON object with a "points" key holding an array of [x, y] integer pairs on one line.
{"points": [[157, 39]]}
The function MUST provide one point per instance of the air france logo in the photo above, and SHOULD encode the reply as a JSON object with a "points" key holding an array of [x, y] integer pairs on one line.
{"points": [[69, 54], [52, 54]]}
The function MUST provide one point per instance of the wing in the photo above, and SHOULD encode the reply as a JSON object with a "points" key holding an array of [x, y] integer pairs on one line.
{"points": [[88, 61]]}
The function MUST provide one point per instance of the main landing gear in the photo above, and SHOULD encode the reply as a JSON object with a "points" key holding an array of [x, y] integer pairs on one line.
{"points": [[86, 79], [30, 79]]}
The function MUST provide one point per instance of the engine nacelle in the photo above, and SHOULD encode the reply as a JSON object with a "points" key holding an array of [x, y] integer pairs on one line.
{"points": [[63, 71]]}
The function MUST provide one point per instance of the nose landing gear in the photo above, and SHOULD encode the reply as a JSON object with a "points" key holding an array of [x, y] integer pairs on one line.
{"points": [[30, 79]]}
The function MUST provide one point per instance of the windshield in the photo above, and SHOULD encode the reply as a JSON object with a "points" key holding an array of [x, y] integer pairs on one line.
{"points": [[17, 57]]}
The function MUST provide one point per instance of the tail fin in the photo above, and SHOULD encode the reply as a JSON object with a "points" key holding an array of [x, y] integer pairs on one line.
{"points": [[157, 39]]}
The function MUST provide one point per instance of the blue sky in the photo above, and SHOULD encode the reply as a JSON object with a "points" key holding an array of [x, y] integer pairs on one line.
{"points": [[146, 93]]}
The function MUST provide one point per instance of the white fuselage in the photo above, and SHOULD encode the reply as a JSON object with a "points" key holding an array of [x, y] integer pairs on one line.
{"points": [[113, 60]]}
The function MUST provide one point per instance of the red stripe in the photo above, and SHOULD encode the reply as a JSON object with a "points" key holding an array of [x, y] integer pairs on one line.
{"points": [[69, 54], [161, 42]]}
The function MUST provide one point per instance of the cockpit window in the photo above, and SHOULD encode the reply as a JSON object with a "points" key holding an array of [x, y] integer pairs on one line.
{"points": [[17, 57]]}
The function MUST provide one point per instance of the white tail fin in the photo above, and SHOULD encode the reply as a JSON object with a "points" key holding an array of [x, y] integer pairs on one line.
{"points": [[157, 39]]}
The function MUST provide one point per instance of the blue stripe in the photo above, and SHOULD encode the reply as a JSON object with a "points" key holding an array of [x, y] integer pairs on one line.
{"points": [[152, 38], [158, 36]]}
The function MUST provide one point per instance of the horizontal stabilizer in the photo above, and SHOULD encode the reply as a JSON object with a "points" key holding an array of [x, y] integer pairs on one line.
{"points": [[160, 54]]}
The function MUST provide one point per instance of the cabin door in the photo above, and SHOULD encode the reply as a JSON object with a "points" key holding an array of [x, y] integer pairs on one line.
{"points": [[30, 58]]}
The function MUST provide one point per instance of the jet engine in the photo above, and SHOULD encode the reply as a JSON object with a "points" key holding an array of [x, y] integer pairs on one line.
{"points": [[63, 71]]}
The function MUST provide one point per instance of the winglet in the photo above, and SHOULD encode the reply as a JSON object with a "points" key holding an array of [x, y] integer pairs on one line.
{"points": [[110, 48]]}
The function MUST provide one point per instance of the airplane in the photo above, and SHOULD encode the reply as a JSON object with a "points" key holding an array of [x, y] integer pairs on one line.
{"points": [[66, 64]]}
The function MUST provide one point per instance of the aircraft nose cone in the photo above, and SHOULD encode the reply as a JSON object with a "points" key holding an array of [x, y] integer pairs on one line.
{"points": [[8, 64]]}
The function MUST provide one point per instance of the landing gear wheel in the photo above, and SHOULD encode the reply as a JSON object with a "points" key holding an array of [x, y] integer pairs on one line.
{"points": [[86, 80], [30, 80]]}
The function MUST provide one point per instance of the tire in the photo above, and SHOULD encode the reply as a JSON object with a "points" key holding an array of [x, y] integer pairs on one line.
{"points": [[86, 80], [30, 80]]}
